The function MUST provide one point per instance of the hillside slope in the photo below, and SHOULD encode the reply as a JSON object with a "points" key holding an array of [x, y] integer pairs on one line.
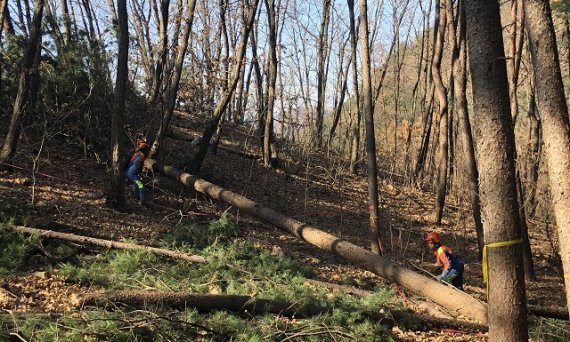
{"points": [[67, 194]]}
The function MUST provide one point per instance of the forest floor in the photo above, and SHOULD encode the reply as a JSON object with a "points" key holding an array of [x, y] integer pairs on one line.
{"points": [[67, 193]]}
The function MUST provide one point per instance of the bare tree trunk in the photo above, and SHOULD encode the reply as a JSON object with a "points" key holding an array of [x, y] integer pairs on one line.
{"points": [[367, 107], [259, 87], [458, 302], [339, 101], [355, 134], [66, 22], [494, 136], [441, 91], [322, 56], [398, 65], [3, 16], [22, 23], [4, 19], [460, 79], [555, 124], [250, 10], [89, 15], [427, 123], [170, 93], [534, 153], [11, 141], [162, 55], [397, 23], [415, 92], [271, 81], [116, 197], [428, 99], [242, 95], [567, 41], [513, 65]]}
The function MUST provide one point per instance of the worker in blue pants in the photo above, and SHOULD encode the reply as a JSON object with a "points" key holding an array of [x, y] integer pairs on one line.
{"points": [[134, 168]]}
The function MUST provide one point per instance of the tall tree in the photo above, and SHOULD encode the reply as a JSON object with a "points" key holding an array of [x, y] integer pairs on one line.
{"points": [[355, 134], [367, 108], [551, 104], [427, 102], [29, 64], [5, 27], [162, 55], [460, 80], [172, 88], [515, 44], [116, 198], [271, 81], [323, 47], [494, 137], [441, 91]]}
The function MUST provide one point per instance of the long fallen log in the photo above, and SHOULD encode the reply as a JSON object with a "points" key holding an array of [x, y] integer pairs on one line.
{"points": [[107, 243], [457, 302], [206, 302]]}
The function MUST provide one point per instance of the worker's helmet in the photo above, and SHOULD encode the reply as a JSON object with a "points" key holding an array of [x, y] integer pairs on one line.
{"points": [[143, 147], [433, 237]]}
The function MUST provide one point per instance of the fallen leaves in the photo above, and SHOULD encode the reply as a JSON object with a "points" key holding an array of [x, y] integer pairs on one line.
{"points": [[39, 291]]}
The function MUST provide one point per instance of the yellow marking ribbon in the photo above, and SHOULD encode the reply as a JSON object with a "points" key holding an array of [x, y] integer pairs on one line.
{"points": [[485, 261]]}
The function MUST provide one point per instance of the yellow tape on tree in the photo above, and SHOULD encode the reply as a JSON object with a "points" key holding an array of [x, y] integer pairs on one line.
{"points": [[485, 262]]}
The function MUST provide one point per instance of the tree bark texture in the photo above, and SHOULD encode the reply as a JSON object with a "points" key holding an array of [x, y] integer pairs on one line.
{"points": [[494, 137], [441, 92], [535, 140], [116, 198], [515, 41], [460, 79], [368, 109], [458, 302], [553, 110]]}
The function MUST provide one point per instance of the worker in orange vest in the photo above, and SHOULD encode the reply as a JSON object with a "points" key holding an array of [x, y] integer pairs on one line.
{"points": [[452, 265]]}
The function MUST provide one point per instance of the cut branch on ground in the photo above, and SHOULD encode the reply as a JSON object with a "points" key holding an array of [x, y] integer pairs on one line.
{"points": [[107, 243]]}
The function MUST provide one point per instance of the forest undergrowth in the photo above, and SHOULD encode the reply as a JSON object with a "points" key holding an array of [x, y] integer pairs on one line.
{"points": [[44, 281]]}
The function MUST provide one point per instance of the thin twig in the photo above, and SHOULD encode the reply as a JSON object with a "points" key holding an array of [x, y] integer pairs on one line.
{"points": [[18, 336]]}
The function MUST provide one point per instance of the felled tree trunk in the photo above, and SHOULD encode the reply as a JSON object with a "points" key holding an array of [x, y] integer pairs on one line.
{"points": [[457, 302], [107, 243], [206, 302]]}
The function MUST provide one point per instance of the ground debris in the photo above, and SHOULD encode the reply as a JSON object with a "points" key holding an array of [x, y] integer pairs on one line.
{"points": [[39, 291]]}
